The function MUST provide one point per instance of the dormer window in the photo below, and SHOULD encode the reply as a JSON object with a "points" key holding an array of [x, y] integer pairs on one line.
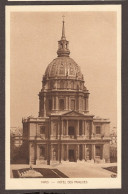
{"points": [[98, 130]]}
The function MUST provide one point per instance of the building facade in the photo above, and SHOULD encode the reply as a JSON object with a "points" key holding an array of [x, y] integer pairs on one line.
{"points": [[64, 129]]}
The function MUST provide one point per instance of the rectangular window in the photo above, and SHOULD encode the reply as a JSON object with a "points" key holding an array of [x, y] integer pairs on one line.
{"points": [[42, 130], [71, 131], [98, 131], [80, 127], [61, 104], [50, 104], [72, 104]]}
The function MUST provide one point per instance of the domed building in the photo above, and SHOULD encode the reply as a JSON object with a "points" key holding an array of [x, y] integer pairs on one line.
{"points": [[64, 130]]}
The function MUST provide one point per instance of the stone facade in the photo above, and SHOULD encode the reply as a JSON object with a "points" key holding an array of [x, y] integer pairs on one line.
{"points": [[64, 129]]}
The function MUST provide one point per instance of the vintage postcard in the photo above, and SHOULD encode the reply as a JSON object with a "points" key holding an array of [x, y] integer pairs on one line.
{"points": [[63, 97]]}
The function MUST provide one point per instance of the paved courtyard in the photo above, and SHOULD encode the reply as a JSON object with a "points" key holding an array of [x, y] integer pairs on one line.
{"points": [[73, 170]]}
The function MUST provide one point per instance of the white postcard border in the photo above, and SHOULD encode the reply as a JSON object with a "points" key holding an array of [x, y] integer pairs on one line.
{"points": [[86, 183]]}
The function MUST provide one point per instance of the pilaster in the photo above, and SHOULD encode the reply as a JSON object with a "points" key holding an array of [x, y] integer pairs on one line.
{"points": [[67, 129], [67, 154]]}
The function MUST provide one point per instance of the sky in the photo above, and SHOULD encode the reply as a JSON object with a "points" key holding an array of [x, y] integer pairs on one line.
{"points": [[92, 40]]}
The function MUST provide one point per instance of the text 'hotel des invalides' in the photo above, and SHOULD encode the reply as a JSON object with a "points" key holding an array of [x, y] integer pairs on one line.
{"points": [[64, 131]]}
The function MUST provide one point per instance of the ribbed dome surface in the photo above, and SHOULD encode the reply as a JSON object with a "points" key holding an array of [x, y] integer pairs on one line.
{"points": [[62, 67]]}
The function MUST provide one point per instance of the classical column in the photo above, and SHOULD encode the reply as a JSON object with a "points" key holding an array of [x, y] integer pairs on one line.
{"points": [[51, 152], [79, 103], [83, 105], [86, 104], [67, 129], [58, 129], [52, 102], [93, 151], [56, 84], [44, 106], [69, 104], [83, 128], [92, 130], [78, 154], [83, 152], [67, 153], [51, 133], [62, 152], [38, 152], [66, 102], [56, 103], [77, 133], [103, 152], [62, 128]]}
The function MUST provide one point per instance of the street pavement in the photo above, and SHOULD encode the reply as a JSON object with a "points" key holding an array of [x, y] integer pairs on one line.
{"points": [[74, 170]]}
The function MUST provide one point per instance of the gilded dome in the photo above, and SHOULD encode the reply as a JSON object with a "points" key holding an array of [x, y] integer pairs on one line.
{"points": [[63, 67]]}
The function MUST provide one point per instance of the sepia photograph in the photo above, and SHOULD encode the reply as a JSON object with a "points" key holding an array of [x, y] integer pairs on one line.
{"points": [[63, 97]]}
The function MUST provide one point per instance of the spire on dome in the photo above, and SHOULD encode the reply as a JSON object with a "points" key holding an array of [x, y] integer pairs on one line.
{"points": [[63, 50], [63, 30]]}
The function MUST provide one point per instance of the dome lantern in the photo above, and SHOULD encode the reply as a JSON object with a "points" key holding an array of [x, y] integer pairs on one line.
{"points": [[63, 50]]}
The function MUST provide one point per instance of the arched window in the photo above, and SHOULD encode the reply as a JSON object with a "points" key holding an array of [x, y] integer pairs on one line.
{"points": [[61, 104]]}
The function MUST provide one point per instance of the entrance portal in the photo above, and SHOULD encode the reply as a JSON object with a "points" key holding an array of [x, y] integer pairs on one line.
{"points": [[71, 155]]}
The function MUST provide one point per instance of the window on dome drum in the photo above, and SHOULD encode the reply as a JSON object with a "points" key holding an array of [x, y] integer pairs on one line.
{"points": [[61, 104], [72, 104], [51, 84], [72, 85], [77, 86], [80, 127], [98, 130], [50, 104], [62, 84], [42, 130]]}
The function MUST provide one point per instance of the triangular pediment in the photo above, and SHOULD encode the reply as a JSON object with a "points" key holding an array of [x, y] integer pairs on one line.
{"points": [[73, 113]]}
